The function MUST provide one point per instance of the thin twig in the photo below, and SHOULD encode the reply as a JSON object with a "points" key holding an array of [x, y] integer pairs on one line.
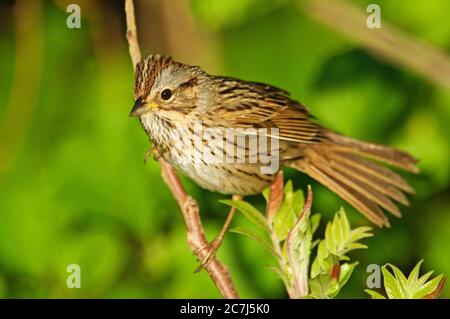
{"points": [[389, 42], [133, 43], [195, 232]]}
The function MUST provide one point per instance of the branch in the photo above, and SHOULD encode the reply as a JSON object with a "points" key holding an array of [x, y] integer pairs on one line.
{"points": [[389, 42], [195, 232], [133, 43]]}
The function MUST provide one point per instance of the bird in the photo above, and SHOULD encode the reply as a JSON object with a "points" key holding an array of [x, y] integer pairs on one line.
{"points": [[171, 96]]}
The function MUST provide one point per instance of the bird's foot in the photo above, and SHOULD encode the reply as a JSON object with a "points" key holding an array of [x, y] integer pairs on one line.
{"points": [[211, 250], [215, 244], [151, 152]]}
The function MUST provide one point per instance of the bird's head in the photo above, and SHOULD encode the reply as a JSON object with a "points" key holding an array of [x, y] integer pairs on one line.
{"points": [[163, 84]]}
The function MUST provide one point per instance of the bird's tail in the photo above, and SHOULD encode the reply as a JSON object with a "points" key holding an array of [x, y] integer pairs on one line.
{"points": [[344, 166]]}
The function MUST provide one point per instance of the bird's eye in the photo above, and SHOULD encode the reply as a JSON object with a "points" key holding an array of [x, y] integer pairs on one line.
{"points": [[166, 94]]}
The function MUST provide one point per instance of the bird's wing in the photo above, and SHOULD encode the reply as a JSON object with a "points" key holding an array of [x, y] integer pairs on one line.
{"points": [[257, 105]]}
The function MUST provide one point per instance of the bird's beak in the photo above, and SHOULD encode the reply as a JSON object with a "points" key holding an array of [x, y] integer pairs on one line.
{"points": [[140, 107]]}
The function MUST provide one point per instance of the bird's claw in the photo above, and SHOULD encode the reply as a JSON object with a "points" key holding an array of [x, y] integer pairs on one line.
{"points": [[212, 249], [151, 152]]}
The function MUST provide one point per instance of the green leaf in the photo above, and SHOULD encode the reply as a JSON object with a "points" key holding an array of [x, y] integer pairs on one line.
{"points": [[265, 193], [329, 239], [344, 229], [318, 265], [315, 268], [399, 287], [393, 287], [315, 243], [298, 247], [340, 230], [339, 237], [374, 294], [427, 288], [248, 211], [322, 265], [414, 275], [402, 282], [360, 233], [254, 236], [288, 188], [353, 246], [280, 274], [298, 202], [322, 251], [315, 221], [346, 272], [424, 278], [292, 205], [321, 286]]}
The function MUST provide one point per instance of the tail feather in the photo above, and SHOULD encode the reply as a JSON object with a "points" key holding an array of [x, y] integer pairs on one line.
{"points": [[364, 190], [340, 166], [365, 206], [378, 152], [374, 170], [379, 184]]}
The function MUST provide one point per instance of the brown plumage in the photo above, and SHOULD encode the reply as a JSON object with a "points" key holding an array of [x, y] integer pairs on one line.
{"points": [[172, 96]]}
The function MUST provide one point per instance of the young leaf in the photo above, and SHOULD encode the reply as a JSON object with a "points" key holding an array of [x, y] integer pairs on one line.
{"points": [[414, 275], [346, 272], [435, 293], [401, 280], [317, 263], [285, 218], [428, 288], [397, 286], [298, 245], [340, 239], [323, 264], [282, 276], [321, 286], [298, 203], [265, 193], [393, 287], [374, 294], [274, 197], [315, 221], [424, 278], [353, 246], [359, 233], [254, 236], [248, 211]]}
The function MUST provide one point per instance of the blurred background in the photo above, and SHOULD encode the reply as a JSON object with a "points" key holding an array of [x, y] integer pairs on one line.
{"points": [[73, 186]]}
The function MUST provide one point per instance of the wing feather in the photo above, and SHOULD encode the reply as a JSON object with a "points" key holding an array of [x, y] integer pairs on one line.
{"points": [[257, 105]]}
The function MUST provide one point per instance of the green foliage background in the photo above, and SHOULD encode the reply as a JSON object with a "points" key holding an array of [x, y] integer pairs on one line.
{"points": [[77, 191]]}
